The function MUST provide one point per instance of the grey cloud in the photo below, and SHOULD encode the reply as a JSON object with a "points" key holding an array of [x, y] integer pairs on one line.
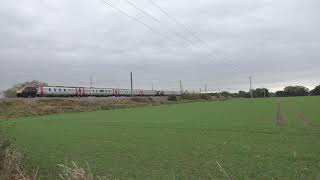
{"points": [[64, 42]]}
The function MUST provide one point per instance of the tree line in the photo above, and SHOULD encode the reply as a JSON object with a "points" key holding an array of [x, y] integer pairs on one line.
{"points": [[288, 91]]}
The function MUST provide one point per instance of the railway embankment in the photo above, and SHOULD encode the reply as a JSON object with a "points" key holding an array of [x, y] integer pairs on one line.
{"points": [[26, 107]]}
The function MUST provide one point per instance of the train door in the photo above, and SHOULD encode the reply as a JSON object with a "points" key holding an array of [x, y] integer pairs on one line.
{"points": [[80, 92], [116, 92], [41, 91], [83, 92], [141, 92]]}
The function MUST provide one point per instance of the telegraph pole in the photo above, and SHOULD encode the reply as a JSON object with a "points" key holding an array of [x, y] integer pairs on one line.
{"points": [[131, 83], [251, 87], [205, 88], [180, 86], [91, 83], [152, 86]]}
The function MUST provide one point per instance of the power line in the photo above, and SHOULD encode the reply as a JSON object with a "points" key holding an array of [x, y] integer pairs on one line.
{"points": [[144, 12], [187, 30], [158, 21], [169, 28], [155, 19], [180, 24], [149, 27], [135, 19], [210, 56]]}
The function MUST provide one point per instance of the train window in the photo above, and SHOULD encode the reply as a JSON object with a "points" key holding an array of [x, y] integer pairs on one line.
{"points": [[54, 90], [49, 89], [64, 90], [60, 90], [101, 91]]}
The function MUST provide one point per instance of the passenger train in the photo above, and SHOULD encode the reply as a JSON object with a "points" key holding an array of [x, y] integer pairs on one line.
{"points": [[64, 91]]}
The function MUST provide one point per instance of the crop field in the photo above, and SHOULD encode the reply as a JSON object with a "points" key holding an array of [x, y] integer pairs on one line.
{"points": [[239, 139]]}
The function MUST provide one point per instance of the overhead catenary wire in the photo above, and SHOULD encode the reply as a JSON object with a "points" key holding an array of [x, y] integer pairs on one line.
{"points": [[133, 18], [159, 22], [155, 19], [210, 56], [180, 24], [149, 27], [159, 33], [236, 68]]}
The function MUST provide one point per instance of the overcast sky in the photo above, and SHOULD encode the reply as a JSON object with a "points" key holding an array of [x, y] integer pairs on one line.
{"points": [[218, 42]]}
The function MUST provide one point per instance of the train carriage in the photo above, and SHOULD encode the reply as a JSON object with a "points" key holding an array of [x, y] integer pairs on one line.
{"points": [[64, 91], [53, 91]]}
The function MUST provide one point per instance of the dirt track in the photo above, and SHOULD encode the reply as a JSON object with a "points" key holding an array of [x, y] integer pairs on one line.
{"points": [[280, 117]]}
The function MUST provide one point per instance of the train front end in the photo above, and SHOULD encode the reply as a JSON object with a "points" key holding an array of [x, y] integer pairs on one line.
{"points": [[27, 92]]}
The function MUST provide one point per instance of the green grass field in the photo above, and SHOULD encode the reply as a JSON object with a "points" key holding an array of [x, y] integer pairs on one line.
{"points": [[182, 141]]}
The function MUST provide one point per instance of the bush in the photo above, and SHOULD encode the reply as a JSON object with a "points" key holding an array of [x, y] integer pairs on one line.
{"points": [[190, 96], [206, 97], [172, 98], [196, 97], [9, 93]]}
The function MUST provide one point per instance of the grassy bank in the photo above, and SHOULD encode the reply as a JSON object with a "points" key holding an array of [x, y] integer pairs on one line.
{"points": [[14, 108]]}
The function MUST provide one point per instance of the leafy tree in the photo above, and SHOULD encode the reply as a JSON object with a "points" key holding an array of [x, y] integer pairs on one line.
{"points": [[32, 83], [296, 91], [315, 91], [280, 94], [225, 94], [172, 98], [272, 94], [261, 92], [243, 94], [12, 91], [9, 93], [206, 96]]}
